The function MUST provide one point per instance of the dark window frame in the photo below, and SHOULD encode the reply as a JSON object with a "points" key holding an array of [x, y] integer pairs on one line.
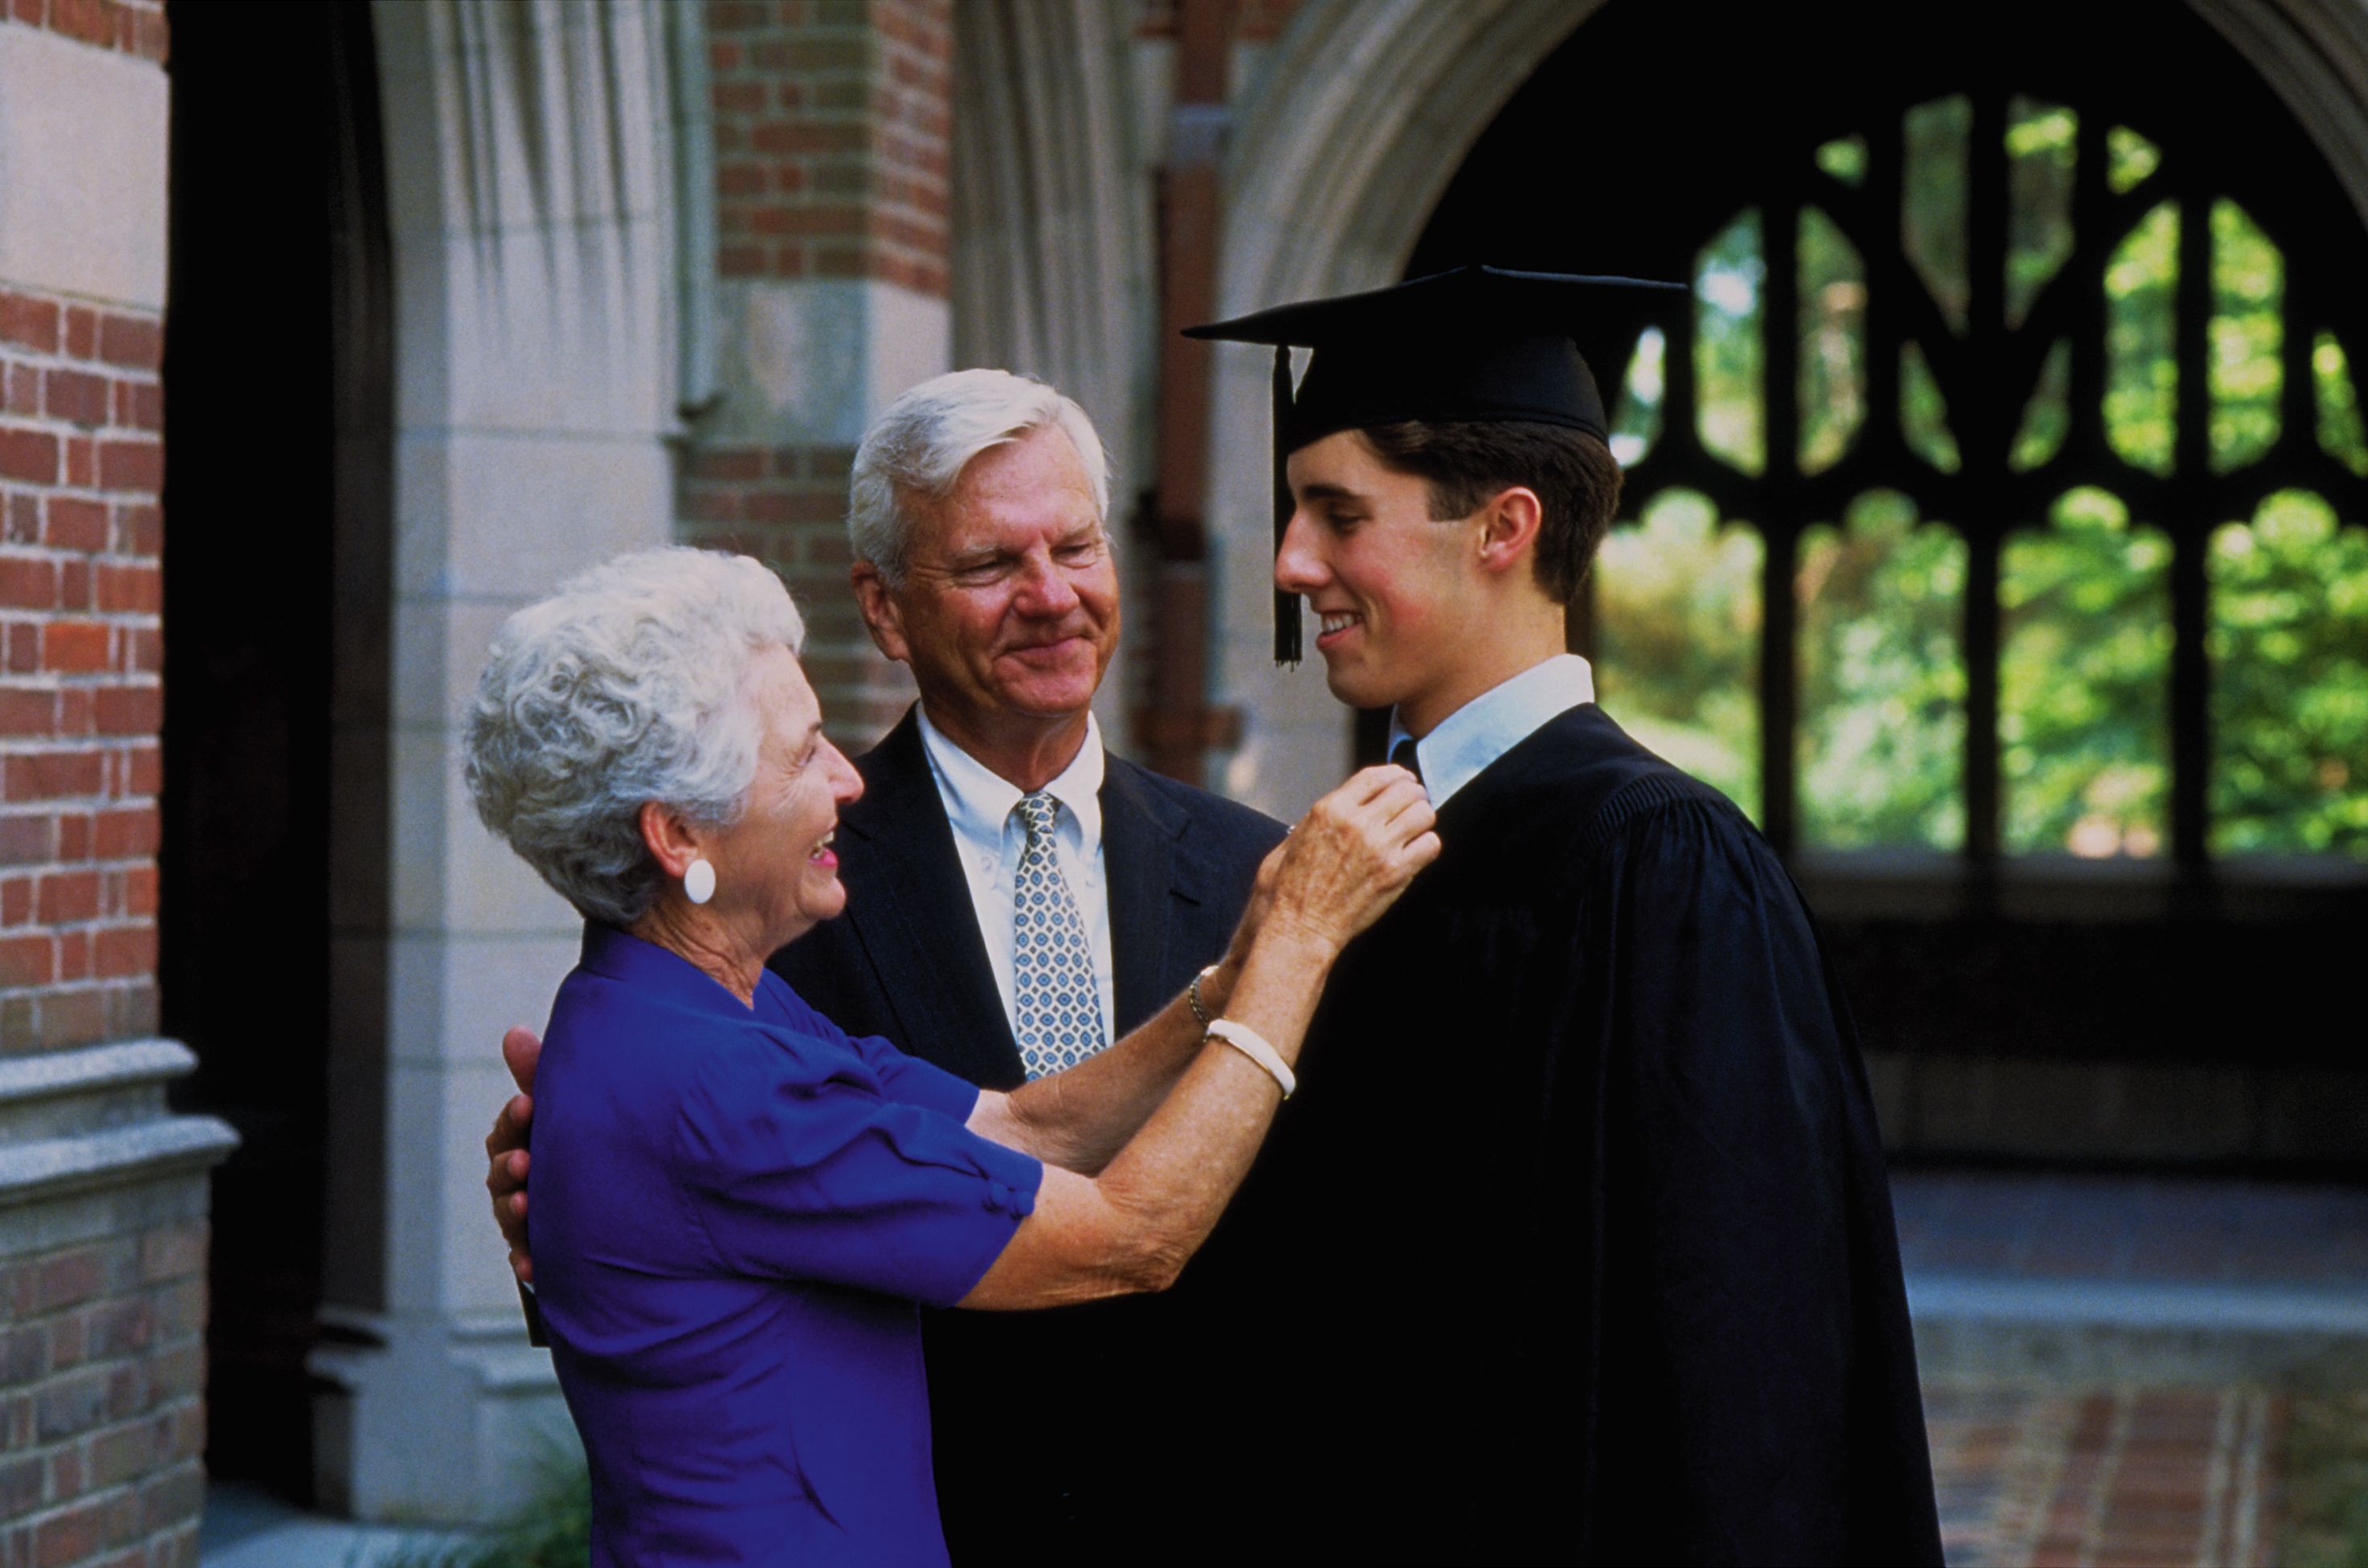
{"points": [[1987, 375]]}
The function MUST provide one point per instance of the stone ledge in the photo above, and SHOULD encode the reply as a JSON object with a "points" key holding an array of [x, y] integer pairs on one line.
{"points": [[120, 1086], [147, 1151], [2054, 1332], [121, 1065]]}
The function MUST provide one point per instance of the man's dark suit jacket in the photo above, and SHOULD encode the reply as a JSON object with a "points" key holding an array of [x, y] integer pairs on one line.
{"points": [[1055, 1439]]}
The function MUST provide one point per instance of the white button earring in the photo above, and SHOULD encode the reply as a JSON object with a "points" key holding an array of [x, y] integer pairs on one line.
{"points": [[699, 881]]}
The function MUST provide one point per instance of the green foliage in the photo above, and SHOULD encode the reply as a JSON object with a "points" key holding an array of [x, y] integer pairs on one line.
{"points": [[1882, 687], [1833, 341], [1933, 214], [553, 1530], [2083, 683], [1924, 413], [1727, 349], [2141, 367], [2324, 1467], [2129, 159], [2042, 144], [2289, 642], [1845, 159], [2047, 417], [1636, 416], [2247, 332], [2338, 405], [1677, 619]]}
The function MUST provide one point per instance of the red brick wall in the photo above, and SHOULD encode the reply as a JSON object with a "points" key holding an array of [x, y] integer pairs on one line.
{"points": [[1254, 21], [831, 123], [81, 648], [135, 26], [832, 126], [788, 505], [102, 1418], [102, 1295]]}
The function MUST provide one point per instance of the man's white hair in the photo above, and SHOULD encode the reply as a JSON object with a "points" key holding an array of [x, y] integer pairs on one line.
{"points": [[922, 441], [625, 686]]}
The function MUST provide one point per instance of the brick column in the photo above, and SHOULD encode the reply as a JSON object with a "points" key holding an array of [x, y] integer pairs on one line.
{"points": [[83, 701], [102, 1192], [831, 123]]}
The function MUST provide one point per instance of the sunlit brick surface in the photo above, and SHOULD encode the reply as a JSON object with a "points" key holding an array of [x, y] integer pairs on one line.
{"points": [[2107, 1477]]}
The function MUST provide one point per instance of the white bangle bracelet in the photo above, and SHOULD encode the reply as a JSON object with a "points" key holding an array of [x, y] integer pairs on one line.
{"points": [[1252, 1044]]}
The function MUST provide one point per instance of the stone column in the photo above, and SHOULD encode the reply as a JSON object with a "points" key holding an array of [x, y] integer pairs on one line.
{"points": [[1053, 272], [530, 178]]}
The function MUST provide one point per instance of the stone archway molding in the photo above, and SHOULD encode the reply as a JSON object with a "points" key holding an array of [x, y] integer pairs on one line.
{"points": [[1343, 144], [1358, 122], [2314, 55]]}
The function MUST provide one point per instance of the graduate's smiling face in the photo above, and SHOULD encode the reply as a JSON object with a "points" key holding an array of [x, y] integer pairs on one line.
{"points": [[1391, 589]]}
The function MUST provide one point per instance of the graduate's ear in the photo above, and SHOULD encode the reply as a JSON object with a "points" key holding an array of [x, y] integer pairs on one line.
{"points": [[1509, 530], [670, 837], [882, 616]]}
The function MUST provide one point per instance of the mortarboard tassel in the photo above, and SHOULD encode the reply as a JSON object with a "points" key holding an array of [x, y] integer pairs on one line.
{"points": [[1286, 605]]}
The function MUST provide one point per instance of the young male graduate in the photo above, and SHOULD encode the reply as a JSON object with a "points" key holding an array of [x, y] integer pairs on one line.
{"points": [[1580, 1248]]}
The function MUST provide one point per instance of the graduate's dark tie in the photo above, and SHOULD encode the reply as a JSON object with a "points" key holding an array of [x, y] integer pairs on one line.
{"points": [[1402, 753]]}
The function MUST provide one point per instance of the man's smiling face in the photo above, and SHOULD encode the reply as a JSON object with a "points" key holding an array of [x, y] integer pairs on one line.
{"points": [[1009, 608], [1388, 584]]}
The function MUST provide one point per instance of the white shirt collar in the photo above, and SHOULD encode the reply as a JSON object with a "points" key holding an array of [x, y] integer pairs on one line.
{"points": [[1496, 721], [979, 801]]}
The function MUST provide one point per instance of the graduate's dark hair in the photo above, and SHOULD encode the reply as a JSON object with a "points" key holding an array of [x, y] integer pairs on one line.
{"points": [[1575, 474]]}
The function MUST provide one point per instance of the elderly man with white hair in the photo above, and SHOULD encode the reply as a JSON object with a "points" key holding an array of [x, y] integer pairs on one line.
{"points": [[979, 523]]}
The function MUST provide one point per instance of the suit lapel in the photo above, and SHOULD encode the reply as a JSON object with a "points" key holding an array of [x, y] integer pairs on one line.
{"points": [[1144, 875], [909, 905]]}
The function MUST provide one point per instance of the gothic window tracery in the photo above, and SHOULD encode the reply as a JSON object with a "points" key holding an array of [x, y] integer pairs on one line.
{"points": [[2007, 473]]}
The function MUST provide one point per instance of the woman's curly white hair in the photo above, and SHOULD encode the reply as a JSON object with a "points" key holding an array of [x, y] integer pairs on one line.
{"points": [[624, 687]]}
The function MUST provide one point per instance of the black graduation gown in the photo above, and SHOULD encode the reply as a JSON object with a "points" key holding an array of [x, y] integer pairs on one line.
{"points": [[1576, 1244]]}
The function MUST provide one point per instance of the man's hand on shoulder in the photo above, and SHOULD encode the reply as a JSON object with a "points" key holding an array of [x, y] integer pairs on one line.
{"points": [[505, 1153]]}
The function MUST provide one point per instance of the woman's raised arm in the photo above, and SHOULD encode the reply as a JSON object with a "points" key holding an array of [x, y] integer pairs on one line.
{"points": [[1132, 1226]]}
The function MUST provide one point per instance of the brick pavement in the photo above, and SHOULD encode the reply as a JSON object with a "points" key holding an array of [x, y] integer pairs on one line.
{"points": [[2132, 1437], [2133, 1477]]}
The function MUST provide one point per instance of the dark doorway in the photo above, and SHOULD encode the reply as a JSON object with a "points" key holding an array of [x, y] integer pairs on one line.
{"points": [[276, 223]]}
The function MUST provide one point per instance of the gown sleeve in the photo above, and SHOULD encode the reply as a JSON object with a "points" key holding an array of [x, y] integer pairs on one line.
{"points": [[800, 1164], [1748, 1409]]}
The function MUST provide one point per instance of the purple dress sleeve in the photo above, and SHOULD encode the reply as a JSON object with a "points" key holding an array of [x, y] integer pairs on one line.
{"points": [[901, 1077], [811, 1163]]}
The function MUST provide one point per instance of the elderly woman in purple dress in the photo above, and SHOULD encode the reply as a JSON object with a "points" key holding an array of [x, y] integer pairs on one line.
{"points": [[737, 1206]]}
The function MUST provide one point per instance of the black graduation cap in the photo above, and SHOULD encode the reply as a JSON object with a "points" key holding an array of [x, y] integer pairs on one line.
{"points": [[1479, 344]]}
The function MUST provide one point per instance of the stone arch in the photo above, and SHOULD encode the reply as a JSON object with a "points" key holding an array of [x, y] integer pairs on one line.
{"points": [[1341, 149], [2314, 55], [1342, 146]]}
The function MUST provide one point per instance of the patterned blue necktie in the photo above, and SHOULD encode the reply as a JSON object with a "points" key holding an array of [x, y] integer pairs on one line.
{"points": [[1055, 1001]]}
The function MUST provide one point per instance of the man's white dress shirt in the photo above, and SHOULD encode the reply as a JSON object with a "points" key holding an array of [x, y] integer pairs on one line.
{"points": [[1496, 721], [990, 840]]}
